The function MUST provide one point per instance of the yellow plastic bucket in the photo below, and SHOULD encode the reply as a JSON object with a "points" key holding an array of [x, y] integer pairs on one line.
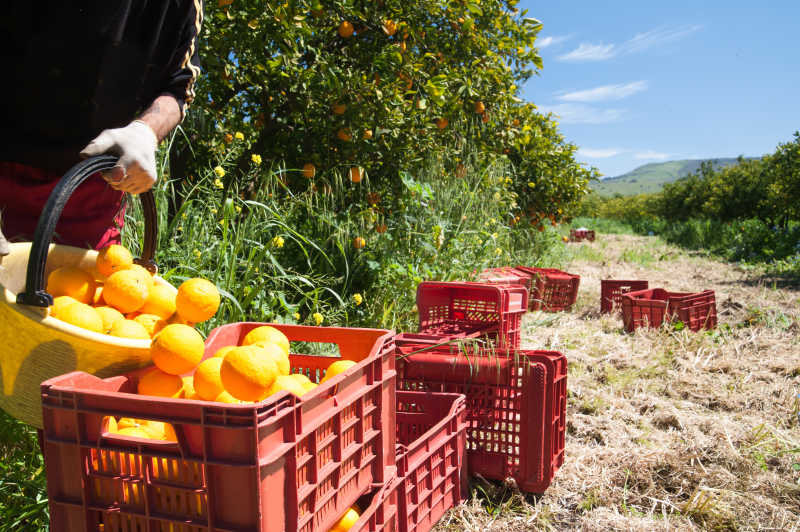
{"points": [[34, 346]]}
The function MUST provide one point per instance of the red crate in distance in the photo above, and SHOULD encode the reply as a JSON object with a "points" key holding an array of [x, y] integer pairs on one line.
{"points": [[553, 290], [653, 307], [516, 407], [431, 437], [283, 464], [611, 291], [471, 310], [577, 235]]}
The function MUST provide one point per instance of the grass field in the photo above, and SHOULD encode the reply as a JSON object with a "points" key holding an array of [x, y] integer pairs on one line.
{"points": [[666, 429]]}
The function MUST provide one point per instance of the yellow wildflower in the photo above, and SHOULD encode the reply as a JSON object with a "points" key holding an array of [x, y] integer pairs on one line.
{"points": [[498, 251], [531, 184], [197, 253], [296, 316], [220, 171], [238, 208], [318, 318], [238, 135], [213, 211], [277, 242], [358, 299], [256, 158]]}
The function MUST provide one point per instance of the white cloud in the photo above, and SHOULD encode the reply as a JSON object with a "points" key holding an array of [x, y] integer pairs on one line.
{"points": [[590, 52], [572, 113], [638, 43], [650, 154], [599, 153], [550, 40], [605, 92]]}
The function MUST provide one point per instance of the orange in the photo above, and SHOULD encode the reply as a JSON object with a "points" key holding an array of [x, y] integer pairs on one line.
{"points": [[278, 354], [345, 30], [356, 174], [303, 381], [110, 316], [207, 382], [340, 366], [136, 432], [347, 521], [151, 323], [83, 316], [156, 382], [127, 422], [222, 351], [442, 123], [160, 301], [60, 303], [142, 272], [177, 349], [71, 281], [198, 300], [225, 397], [188, 388], [344, 134], [359, 242], [97, 298], [126, 291], [248, 372], [367, 134], [309, 170], [285, 382], [265, 333], [129, 329], [479, 107], [111, 425], [339, 108], [113, 258], [389, 27]]}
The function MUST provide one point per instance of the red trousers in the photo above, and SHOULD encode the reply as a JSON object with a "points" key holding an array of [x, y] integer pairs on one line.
{"points": [[92, 217]]}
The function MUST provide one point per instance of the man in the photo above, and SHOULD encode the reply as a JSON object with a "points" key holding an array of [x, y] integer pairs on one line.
{"points": [[83, 78]]}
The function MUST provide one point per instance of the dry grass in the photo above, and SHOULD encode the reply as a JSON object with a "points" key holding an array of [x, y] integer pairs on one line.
{"points": [[666, 430]]}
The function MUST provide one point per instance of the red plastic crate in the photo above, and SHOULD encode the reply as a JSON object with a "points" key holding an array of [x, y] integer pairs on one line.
{"points": [[284, 464], [516, 407], [431, 436], [577, 235], [553, 290], [611, 291], [380, 512], [505, 275], [651, 308], [470, 310]]}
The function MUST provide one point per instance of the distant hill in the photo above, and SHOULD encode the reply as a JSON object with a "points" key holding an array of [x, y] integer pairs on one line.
{"points": [[651, 177]]}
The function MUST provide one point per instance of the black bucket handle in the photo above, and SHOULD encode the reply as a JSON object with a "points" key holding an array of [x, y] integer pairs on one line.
{"points": [[35, 294]]}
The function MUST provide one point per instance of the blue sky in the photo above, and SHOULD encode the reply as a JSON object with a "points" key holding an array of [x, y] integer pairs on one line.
{"points": [[635, 82]]}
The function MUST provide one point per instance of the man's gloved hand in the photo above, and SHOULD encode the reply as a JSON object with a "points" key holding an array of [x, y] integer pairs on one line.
{"points": [[135, 144]]}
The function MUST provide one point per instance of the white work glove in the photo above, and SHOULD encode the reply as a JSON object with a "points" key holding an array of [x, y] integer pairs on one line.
{"points": [[135, 145]]}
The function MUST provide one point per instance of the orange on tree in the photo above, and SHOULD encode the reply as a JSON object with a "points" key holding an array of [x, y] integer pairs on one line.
{"points": [[160, 301], [83, 316], [156, 382], [265, 333], [381, 228], [73, 282], [442, 123], [247, 373], [197, 300], [126, 291], [309, 170], [129, 329], [367, 135], [359, 242], [110, 316], [345, 30], [355, 174], [479, 107], [177, 349], [207, 381], [389, 27], [340, 366], [113, 258], [344, 134], [338, 108]]}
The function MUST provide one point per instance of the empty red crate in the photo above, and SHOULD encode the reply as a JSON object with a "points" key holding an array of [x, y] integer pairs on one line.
{"points": [[284, 464], [505, 275], [553, 290], [431, 436], [516, 406], [470, 310], [611, 291], [576, 235], [651, 308]]}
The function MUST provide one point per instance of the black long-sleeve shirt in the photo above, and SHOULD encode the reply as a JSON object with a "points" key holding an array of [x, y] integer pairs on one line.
{"points": [[72, 68]]}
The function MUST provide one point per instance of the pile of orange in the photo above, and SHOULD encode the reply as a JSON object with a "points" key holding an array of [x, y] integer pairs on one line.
{"points": [[125, 301]]}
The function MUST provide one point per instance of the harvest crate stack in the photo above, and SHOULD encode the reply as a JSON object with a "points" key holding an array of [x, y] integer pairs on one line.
{"points": [[552, 290], [654, 307]]}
